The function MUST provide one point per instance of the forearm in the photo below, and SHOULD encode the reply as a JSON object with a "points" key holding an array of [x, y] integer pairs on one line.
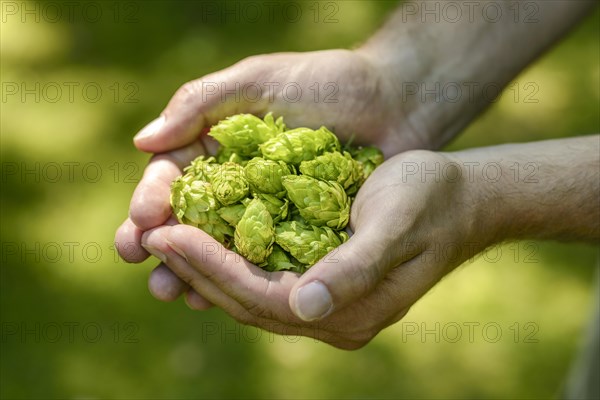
{"points": [[547, 190], [449, 62]]}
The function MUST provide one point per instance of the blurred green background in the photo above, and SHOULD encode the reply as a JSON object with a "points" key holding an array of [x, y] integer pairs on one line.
{"points": [[79, 323]]}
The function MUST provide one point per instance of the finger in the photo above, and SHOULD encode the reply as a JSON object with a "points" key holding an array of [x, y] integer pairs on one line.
{"points": [[127, 241], [165, 285], [345, 275], [196, 105], [149, 205], [155, 241], [230, 282], [195, 301], [262, 293]]}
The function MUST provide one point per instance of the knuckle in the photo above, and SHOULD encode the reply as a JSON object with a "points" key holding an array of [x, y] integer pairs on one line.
{"points": [[187, 92], [245, 318], [259, 311], [363, 279], [190, 281], [250, 61]]}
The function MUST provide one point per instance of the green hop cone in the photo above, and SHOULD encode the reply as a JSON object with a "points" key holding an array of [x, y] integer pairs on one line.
{"points": [[370, 158], [230, 184], [225, 154], [216, 227], [320, 203], [254, 233], [278, 208], [194, 203], [202, 169], [307, 244], [191, 198], [243, 133], [233, 213], [301, 144], [280, 260], [337, 167], [265, 176]]}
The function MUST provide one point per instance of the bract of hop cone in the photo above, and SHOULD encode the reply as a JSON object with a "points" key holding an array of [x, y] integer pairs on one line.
{"points": [[281, 198]]}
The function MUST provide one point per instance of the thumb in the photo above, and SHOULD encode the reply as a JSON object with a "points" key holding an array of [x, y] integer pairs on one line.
{"points": [[346, 274], [197, 105]]}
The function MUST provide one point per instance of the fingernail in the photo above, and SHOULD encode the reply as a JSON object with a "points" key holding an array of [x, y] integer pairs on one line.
{"points": [[313, 301], [189, 299], [187, 302], [177, 250], [151, 128], [155, 252]]}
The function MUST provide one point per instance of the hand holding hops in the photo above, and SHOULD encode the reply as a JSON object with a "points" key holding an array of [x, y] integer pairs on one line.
{"points": [[279, 198]]}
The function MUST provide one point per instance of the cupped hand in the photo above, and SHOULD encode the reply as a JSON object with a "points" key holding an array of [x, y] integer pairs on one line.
{"points": [[340, 89], [410, 229]]}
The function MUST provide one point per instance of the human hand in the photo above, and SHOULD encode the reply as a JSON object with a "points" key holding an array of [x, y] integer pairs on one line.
{"points": [[354, 101], [341, 89], [403, 227]]}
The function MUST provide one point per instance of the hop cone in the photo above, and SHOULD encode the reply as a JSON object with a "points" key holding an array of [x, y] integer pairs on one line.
{"points": [[370, 158], [337, 167], [308, 244], [202, 169], [264, 176], [243, 133], [279, 260], [226, 154], [232, 214], [277, 207], [230, 184], [194, 203], [301, 144], [254, 234], [320, 203]]}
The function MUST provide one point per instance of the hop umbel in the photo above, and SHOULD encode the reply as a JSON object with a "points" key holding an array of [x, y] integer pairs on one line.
{"points": [[308, 244], [320, 203], [281, 198], [254, 233], [194, 203]]}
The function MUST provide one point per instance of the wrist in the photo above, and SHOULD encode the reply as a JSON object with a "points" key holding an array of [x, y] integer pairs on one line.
{"points": [[477, 204]]}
